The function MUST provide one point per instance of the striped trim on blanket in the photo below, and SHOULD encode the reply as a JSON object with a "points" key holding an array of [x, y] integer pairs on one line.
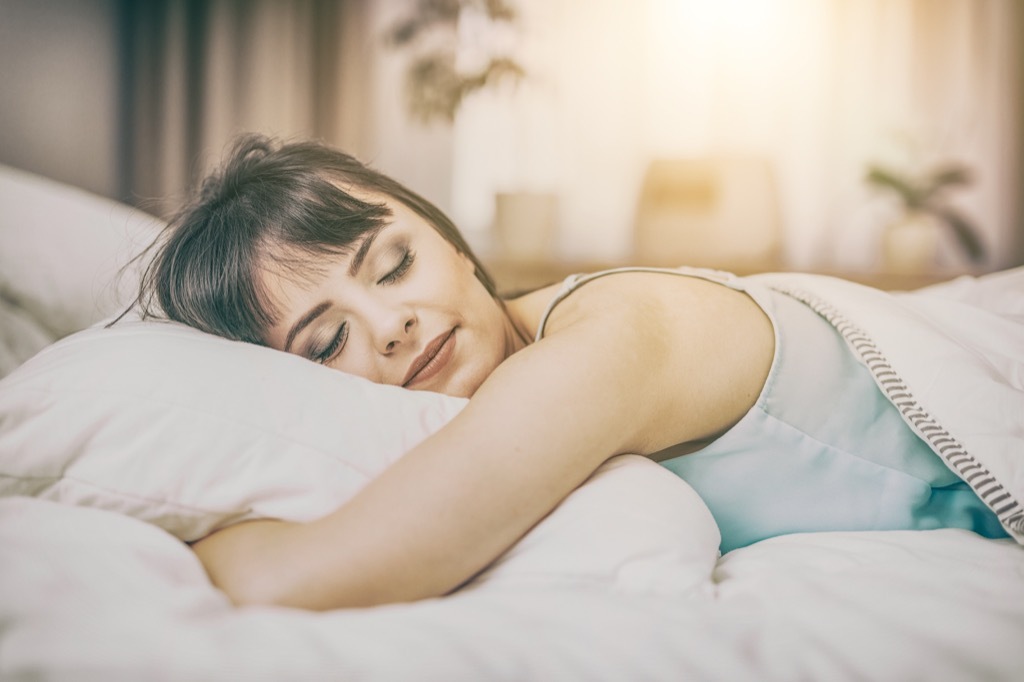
{"points": [[991, 491]]}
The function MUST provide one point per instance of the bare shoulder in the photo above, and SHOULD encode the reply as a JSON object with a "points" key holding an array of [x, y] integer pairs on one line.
{"points": [[659, 300], [709, 346]]}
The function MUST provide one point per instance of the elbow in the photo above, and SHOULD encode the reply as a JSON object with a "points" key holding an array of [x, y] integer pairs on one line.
{"points": [[249, 587], [245, 563]]}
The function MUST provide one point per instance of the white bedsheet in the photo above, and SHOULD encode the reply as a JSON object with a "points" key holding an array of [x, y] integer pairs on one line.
{"points": [[88, 594]]}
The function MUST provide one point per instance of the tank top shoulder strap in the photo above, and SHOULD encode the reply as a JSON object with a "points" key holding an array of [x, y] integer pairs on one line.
{"points": [[574, 282]]}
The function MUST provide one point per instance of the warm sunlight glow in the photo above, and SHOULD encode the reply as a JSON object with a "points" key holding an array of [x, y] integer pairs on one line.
{"points": [[731, 65], [809, 92]]}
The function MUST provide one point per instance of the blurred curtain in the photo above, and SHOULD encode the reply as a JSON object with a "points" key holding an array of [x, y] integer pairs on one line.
{"points": [[816, 88], [197, 72]]}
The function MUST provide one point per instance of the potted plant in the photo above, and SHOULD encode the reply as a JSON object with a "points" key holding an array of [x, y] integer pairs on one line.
{"points": [[910, 244], [436, 82]]}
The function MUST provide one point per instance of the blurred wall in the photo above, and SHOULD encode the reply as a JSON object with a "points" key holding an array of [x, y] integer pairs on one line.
{"points": [[70, 83], [60, 112]]}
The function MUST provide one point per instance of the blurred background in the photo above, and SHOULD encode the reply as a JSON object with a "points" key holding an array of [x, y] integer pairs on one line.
{"points": [[880, 140]]}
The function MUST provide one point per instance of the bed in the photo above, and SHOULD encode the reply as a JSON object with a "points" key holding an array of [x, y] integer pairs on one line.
{"points": [[118, 446]]}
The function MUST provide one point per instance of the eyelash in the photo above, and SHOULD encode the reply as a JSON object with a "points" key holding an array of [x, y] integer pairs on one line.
{"points": [[326, 354], [403, 267], [334, 346]]}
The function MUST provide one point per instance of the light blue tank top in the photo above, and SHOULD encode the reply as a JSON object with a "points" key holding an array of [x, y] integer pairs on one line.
{"points": [[822, 449]]}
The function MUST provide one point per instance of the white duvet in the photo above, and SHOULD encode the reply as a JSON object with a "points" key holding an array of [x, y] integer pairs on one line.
{"points": [[93, 595]]}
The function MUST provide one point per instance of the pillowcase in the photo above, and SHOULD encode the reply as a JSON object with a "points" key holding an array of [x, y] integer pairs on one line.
{"points": [[192, 432]]}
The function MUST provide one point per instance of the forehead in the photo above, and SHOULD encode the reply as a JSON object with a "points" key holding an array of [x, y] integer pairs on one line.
{"points": [[289, 272]]}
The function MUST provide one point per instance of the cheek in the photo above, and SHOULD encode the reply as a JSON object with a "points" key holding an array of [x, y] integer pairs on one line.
{"points": [[480, 308], [358, 360], [453, 283]]}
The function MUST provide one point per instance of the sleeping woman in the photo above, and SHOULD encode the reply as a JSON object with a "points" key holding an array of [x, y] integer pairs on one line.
{"points": [[745, 393]]}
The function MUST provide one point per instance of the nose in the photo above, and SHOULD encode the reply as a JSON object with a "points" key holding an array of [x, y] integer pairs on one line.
{"points": [[394, 330]]}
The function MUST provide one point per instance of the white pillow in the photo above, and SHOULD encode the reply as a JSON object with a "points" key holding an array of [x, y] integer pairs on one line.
{"points": [[192, 432], [633, 527], [21, 336], [62, 247]]}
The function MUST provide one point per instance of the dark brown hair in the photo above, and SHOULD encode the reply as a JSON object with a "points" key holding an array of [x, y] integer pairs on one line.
{"points": [[294, 198]]}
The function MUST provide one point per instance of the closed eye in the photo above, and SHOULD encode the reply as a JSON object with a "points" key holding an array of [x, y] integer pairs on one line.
{"points": [[403, 267], [334, 347]]}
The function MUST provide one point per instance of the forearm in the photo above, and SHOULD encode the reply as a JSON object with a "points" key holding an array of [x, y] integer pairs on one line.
{"points": [[297, 565], [312, 566], [424, 527], [339, 562]]}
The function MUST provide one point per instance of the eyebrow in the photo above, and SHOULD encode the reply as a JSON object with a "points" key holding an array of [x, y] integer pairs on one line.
{"points": [[363, 250], [304, 322]]}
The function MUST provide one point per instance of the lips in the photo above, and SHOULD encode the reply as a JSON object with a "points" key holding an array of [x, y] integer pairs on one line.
{"points": [[432, 360]]}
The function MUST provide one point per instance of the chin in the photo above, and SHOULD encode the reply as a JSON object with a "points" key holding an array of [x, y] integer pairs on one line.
{"points": [[471, 374], [465, 385]]}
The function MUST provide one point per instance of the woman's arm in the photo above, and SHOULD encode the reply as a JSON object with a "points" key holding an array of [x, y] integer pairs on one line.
{"points": [[606, 381]]}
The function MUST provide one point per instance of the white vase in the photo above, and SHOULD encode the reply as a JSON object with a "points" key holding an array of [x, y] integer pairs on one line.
{"points": [[911, 245]]}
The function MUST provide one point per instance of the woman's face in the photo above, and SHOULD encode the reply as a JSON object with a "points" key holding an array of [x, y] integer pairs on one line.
{"points": [[403, 308]]}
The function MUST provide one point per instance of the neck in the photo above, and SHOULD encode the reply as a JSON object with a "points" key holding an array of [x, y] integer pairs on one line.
{"points": [[523, 315], [517, 334]]}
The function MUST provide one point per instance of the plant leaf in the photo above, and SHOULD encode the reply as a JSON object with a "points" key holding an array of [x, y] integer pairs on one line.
{"points": [[887, 179], [951, 174], [965, 232]]}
